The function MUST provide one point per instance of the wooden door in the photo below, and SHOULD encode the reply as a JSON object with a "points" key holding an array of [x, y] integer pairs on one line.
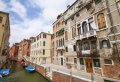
{"points": [[89, 67]]}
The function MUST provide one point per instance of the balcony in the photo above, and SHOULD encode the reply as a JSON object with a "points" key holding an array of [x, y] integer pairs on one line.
{"points": [[86, 35], [61, 48], [106, 53], [88, 53], [89, 34]]}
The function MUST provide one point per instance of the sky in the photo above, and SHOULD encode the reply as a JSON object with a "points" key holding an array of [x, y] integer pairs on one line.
{"points": [[30, 17]]}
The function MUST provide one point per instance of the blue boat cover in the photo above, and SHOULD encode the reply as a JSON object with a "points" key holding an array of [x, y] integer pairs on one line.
{"points": [[4, 71], [29, 68]]}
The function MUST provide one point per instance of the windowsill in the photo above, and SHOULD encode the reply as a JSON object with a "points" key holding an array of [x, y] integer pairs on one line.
{"points": [[108, 64], [97, 67], [101, 29]]}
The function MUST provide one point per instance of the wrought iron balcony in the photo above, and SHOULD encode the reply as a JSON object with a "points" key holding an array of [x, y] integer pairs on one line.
{"points": [[88, 53]]}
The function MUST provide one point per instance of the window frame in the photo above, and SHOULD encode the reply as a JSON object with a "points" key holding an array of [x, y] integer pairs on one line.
{"points": [[107, 63], [101, 28], [94, 63], [81, 62]]}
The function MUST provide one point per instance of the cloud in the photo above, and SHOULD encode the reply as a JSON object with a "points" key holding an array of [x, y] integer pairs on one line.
{"points": [[30, 17], [18, 8]]}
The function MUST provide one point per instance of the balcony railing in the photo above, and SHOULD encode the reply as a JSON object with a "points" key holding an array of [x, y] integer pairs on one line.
{"points": [[88, 53], [61, 48], [86, 35]]}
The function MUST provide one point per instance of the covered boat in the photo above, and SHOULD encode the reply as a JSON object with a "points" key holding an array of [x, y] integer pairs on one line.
{"points": [[4, 72], [30, 68]]}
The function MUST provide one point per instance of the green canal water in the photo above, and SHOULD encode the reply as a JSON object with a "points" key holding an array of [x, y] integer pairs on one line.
{"points": [[18, 74]]}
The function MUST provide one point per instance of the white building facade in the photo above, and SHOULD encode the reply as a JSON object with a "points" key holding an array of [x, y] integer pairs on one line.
{"points": [[40, 52]]}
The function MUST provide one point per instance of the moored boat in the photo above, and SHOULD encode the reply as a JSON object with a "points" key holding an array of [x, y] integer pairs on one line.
{"points": [[30, 68]]}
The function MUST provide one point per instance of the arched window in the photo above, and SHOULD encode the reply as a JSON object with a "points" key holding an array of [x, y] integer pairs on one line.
{"points": [[101, 21], [104, 44], [84, 27]]}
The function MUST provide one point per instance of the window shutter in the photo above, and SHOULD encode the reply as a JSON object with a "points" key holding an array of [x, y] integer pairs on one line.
{"points": [[100, 44]]}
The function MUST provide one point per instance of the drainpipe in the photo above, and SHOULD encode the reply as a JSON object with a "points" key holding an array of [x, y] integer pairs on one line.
{"points": [[111, 24]]}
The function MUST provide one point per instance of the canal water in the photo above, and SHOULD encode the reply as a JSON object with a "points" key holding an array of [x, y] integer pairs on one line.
{"points": [[19, 74]]}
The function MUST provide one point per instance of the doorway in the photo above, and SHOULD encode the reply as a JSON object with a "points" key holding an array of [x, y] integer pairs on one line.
{"points": [[89, 66], [61, 61]]}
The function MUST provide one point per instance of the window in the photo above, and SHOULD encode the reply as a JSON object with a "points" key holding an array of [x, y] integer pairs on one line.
{"points": [[72, 18], [118, 4], [101, 21], [75, 60], [84, 27], [79, 29], [91, 23], [74, 47], [44, 35], [1, 19], [93, 44], [63, 41], [59, 43], [104, 44], [81, 61], [86, 46], [108, 61], [66, 59], [43, 43], [66, 35], [44, 61], [37, 44], [43, 51], [77, 15], [66, 49], [97, 1], [96, 62], [73, 32], [40, 36], [37, 37], [80, 46]]}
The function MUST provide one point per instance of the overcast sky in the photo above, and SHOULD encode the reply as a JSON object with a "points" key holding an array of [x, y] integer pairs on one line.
{"points": [[30, 17]]}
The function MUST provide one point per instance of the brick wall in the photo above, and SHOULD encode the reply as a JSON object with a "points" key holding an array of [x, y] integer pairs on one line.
{"points": [[41, 70], [59, 77], [112, 71]]}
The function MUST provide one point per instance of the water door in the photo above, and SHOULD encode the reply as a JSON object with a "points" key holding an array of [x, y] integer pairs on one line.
{"points": [[89, 67]]}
